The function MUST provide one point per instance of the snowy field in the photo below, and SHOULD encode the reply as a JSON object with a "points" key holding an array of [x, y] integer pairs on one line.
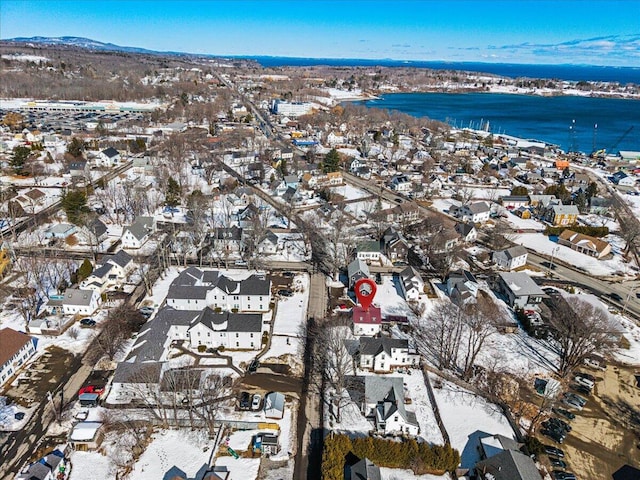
{"points": [[241, 468], [400, 474], [91, 466], [522, 223], [349, 192], [185, 449], [541, 244], [468, 418]]}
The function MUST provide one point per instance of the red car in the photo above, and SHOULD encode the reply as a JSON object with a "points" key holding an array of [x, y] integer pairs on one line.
{"points": [[91, 389]]}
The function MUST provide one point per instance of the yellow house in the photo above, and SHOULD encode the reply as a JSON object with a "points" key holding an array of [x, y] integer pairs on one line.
{"points": [[5, 261], [562, 215]]}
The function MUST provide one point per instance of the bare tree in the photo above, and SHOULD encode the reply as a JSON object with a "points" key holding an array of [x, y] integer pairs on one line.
{"points": [[336, 365], [580, 330]]}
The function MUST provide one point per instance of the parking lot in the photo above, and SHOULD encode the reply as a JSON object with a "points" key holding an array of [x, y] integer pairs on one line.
{"points": [[606, 433], [42, 376]]}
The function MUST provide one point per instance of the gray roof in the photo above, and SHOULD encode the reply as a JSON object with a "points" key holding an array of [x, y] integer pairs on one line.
{"points": [[464, 228], [357, 266], [490, 448], [121, 258], [365, 469], [97, 227], [76, 296], [184, 292], [478, 207], [141, 227], [512, 252], [236, 322], [228, 233], [110, 152], [565, 210], [255, 285], [102, 271], [408, 273], [374, 346], [150, 342], [521, 284], [60, 228], [189, 277], [388, 395], [38, 471], [509, 465]]}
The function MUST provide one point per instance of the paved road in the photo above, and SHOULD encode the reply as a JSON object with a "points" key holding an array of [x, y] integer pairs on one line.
{"points": [[20, 445], [596, 286], [310, 433]]}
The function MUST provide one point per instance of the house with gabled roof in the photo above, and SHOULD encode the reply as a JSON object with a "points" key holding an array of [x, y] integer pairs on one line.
{"points": [[364, 469], [477, 212], [356, 270], [79, 301], [411, 284], [369, 251], [519, 289], [462, 287], [383, 354], [109, 157], [269, 243], [510, 258], [229, 330], [560, 214], [507, 465], [195, 289], [394, 245], [136, 235], [586, 244], [366, 322], [384, 404], [112, 272], [16, 348], [467, 231]]}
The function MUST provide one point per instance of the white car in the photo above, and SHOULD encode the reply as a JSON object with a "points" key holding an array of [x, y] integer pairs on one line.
{"points": [[255, 401], [586, 382]]}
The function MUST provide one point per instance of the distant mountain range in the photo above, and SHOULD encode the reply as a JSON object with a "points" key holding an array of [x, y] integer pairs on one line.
{"points": [[87, 43]]}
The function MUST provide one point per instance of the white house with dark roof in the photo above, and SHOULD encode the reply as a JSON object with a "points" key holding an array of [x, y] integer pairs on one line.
{"points": [[384, 354], [411, 284], [384, 404], [511, 258], [78, 301], [109, 157], [137, 234], [519, 289], [462, 287], [15, 349], [112, 272], [194, 289], [356, 270], [478, 212], [229, 330]]}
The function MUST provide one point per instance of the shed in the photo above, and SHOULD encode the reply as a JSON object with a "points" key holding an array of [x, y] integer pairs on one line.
{"points": [[274, 405], [89, 399], [86, 436]]}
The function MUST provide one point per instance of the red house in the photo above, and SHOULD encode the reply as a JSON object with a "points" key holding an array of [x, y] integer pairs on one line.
{"points": [[366, 322]]}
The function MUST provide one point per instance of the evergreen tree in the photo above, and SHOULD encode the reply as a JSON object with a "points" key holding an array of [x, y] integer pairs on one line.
{"points": [[74, 204], [85, 270], [19, 159], [172, 197], [76, 147], [520, 191], [331, 161]]}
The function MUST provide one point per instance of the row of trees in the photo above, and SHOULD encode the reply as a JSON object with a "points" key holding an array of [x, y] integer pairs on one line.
{"points": [[422, 458]]}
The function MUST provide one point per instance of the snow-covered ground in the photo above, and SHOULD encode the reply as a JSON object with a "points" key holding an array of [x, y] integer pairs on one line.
{"points": [[400, 474], [185, 449], [541, 244], [467, 418], [349, 192], [91, 466], [522, 223], [243, 468]]}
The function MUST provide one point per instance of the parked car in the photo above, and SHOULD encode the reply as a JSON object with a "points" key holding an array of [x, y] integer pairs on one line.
{"points": [[285, 293], [582, 380], [615, 296], [565, 413], [560, 475], [556, 462], [581, 389], [556, 423], [288, 274], [146, 311], [91, 389], [245, 401], [253, 366], [554, 451], [255, 401], [555, 435], [87, 322]]}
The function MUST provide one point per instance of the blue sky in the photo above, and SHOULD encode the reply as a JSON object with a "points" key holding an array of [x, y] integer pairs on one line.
{"points": [[516, 31]]}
